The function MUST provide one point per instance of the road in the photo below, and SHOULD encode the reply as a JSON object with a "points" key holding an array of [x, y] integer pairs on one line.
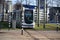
{"points": [[29, 35]]}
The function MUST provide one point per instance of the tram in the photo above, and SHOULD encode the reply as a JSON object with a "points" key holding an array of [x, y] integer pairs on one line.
{"points": [[28, 18]]}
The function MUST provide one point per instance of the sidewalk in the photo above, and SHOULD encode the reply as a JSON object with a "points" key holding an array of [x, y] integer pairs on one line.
{"points": [[29, 35]]}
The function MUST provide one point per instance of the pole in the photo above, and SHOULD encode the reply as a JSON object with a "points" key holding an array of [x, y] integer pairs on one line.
{"points": [[9, 21], [22, 31], [8, 15], [46, 10], [57, 16], [38, 11], [57, 21], [44, 14], [9, 12], [22, 10]]}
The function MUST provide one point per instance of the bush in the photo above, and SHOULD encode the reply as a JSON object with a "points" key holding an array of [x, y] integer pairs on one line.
{"points": [[3, 24]]}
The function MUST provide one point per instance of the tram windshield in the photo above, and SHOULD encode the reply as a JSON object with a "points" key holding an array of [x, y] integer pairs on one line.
{"points": [[28, 16]]}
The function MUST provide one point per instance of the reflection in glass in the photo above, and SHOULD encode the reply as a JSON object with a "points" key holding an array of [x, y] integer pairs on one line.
{"points": [[28, 16]]}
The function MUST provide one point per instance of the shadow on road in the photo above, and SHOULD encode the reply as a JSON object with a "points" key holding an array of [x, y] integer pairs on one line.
{"points": [[3, 32], [31, 35]]}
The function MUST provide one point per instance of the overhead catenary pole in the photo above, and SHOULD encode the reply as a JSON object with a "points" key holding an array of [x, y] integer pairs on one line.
{"points": [[57, 28], [21, 13], [38, 7], [44, 13]]}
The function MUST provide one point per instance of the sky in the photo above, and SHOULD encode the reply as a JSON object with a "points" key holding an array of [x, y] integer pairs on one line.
{"points": [[54, 3], [13, 1], [32, 2]]}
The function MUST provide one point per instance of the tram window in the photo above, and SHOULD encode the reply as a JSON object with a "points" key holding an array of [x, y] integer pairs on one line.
{"points": [[28, 16]]}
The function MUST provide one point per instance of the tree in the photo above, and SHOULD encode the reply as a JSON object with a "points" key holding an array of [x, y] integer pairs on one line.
{"points": [[3, 3], [18, 6]]}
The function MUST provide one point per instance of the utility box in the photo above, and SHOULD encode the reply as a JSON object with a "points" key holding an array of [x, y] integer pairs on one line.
{"points": [[14, 24]]}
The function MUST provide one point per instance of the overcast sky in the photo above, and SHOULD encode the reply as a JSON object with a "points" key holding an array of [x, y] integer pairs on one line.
{"points": [[32, 2], [13, 1]]}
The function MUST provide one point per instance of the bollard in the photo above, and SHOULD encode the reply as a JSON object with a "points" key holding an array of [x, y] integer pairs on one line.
{"points": [[22, 31], [57, 29], [9, 25], [44, 26]]}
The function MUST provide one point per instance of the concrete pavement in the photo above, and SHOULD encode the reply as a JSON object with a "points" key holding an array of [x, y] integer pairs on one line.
{"points": [[29, 35]]}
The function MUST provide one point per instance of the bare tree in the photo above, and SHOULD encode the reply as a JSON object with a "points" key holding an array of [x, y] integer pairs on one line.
{"points": [[3, 3]]}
